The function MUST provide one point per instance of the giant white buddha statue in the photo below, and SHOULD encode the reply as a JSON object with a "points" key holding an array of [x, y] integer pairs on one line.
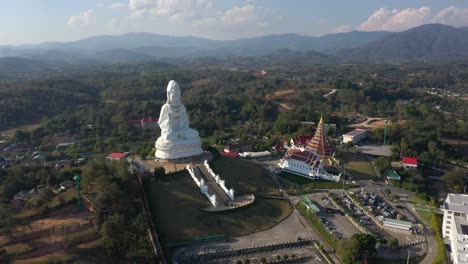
{"points": [[177, 139]]}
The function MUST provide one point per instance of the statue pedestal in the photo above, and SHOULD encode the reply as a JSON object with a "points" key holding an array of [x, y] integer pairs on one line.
{"points": [[178, 148]]}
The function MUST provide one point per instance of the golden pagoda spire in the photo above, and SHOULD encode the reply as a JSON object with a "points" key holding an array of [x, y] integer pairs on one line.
{"points": [[321, 118]]}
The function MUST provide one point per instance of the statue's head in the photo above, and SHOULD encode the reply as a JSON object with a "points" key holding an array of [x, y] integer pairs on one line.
{"points": [[173, 92]]}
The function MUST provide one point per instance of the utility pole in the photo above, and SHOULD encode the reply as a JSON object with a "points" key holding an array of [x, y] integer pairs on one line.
{"points": [[77, 184], [385, 132]]}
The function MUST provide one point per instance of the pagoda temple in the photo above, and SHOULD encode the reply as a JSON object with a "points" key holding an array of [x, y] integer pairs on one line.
{"points": [[319, 143]]}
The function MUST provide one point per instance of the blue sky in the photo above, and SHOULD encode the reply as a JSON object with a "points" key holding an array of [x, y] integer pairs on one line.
{"points": [[35, 21]]}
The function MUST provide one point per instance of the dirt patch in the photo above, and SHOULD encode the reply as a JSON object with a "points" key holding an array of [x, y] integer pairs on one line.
{"points": [[59, 255], [64, 217], [10, 133], [280, 94], [91, 244], [381, 123], [286, 99]]}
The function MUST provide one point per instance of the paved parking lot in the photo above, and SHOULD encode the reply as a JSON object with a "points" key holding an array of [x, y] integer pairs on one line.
{"points": [[337, 221]]}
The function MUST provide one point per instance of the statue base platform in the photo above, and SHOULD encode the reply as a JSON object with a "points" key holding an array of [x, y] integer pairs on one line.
{"points": [[181, 149]]}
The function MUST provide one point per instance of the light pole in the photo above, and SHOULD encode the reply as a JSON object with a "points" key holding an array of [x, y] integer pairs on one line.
{"points": [[407, 260], [385, 132], [77, 185]]}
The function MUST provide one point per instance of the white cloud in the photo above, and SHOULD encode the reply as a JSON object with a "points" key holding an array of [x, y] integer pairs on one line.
{"points": [[117, 5], [83, 19], [452, 16], [174, 10], [396, 20], [342, 29], [248, 15], [239, 15]]}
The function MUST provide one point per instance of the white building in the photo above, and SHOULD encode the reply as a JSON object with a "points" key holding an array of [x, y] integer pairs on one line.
{"points": [[455, 226], [354, 136], [256, 155], [306, 163]]}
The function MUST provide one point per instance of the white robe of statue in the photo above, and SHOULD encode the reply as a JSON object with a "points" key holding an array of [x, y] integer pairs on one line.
{"points": [[173, 119], [177, 138]]}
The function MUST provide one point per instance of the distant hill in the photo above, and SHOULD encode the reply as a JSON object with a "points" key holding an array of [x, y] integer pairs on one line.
{"points": [[20, 65], [136, 46], [431, 41]]}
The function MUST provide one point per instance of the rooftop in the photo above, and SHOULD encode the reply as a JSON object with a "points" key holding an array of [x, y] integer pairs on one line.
{"points": [[392, 175], [462, 225], [116, 155], [409, 160], [456, 202], [398, 222], [229, 154], [149, 119], [301, 140], [311, 205]]}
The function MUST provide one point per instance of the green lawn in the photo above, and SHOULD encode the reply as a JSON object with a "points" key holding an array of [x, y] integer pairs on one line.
{"points": [[357, 165], [416, 200], [304, 185], [245, 176], [175, 203]]}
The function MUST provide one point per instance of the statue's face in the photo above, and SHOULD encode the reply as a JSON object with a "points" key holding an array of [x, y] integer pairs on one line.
{"points": [[174, 96]]}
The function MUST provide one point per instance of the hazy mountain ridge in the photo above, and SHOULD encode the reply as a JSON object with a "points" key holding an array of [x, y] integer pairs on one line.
{"points": [[431, 41], [158, 46]]}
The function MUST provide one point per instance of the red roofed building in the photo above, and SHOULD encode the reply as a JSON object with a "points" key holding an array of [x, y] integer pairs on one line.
{"points": [[305, 163], [149, 122], [116, 156], [300, 141], [319, 143], [409, 162], [241, 147], [229, 154]]}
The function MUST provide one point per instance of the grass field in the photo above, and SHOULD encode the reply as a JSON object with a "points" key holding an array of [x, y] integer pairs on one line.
{"points": [[245, 176], [416, 200], [304, 185], [357, 165], [10, 133], [176, 202]]}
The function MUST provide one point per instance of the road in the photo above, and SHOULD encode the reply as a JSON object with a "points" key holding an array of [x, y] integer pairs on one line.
{"points": [[333, 91]]}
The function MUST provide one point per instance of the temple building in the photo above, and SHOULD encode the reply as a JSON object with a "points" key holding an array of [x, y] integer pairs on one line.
{"points": [[306, 163], [319, 143], [311, 161]]}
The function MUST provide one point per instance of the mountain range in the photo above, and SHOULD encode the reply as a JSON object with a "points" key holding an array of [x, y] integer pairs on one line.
{"points": [[426, 42]]}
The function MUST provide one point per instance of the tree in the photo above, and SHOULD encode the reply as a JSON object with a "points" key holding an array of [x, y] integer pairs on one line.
{"points": [[356, 248], [4, 256], [349, 145], [114, 239], [455, 180], [395, 197], [394, 242], [382, 164], [159, 172]]}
